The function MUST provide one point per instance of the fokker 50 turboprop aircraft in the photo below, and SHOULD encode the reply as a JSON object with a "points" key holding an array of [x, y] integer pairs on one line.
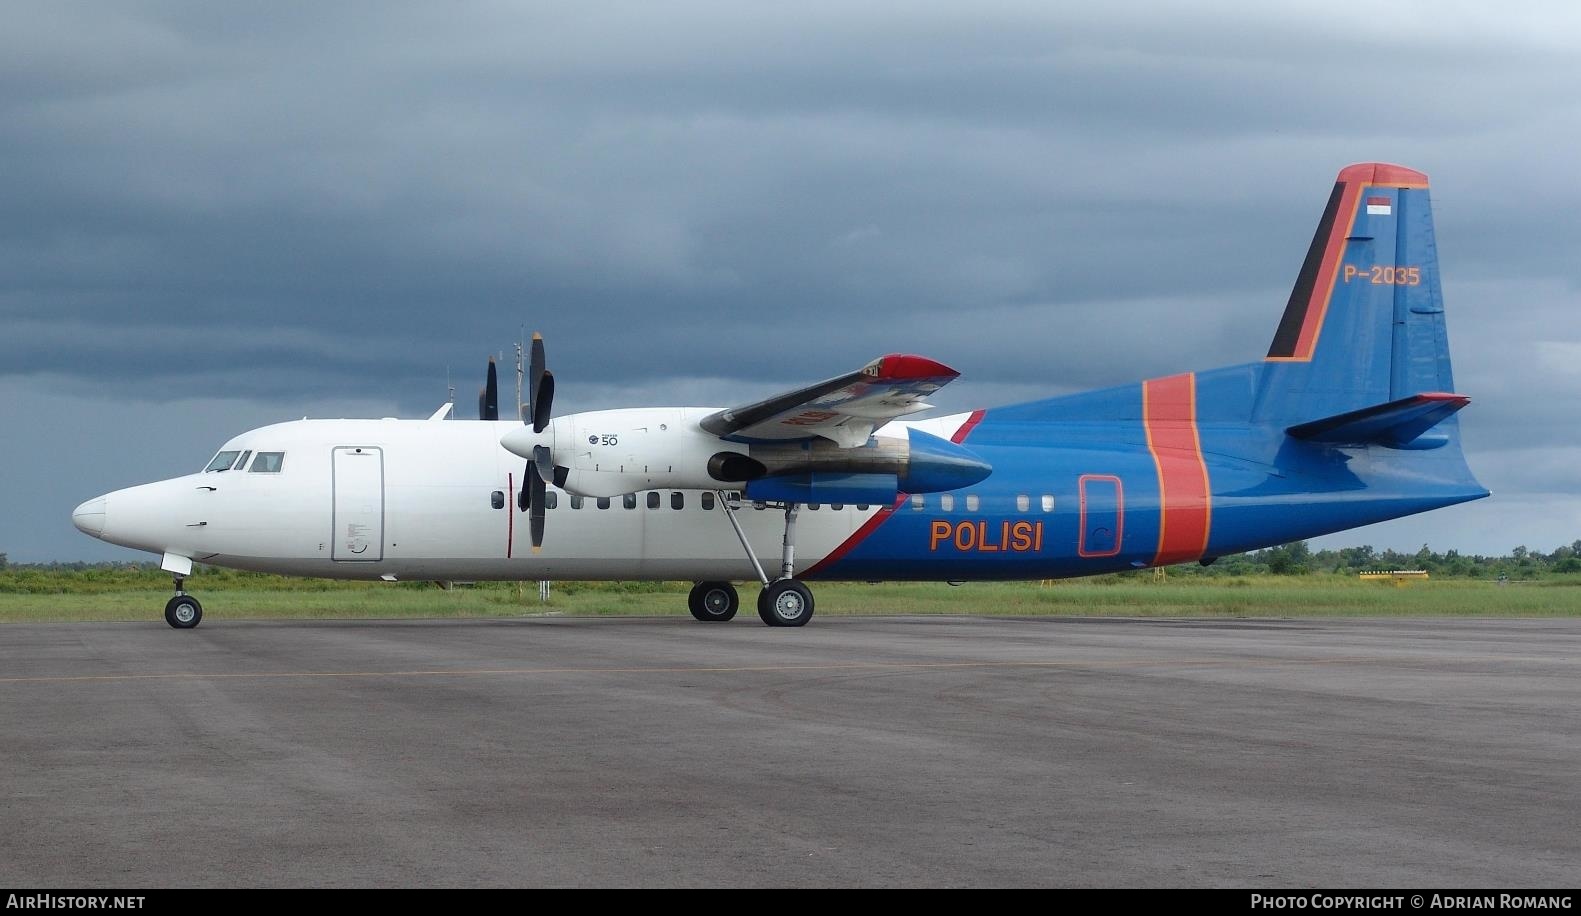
{"points": [[1349, 420]]}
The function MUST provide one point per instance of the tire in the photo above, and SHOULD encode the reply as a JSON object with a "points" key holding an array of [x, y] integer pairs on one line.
{"points": [[713, 602], [183, 612], [785, 603]]}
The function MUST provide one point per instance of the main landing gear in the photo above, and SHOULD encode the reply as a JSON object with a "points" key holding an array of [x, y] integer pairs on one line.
{"points": [[183, 611], [784, 602], [714, 602]]}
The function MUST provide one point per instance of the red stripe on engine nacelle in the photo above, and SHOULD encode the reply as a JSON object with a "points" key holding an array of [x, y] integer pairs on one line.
{"points": [[1185, 499]]}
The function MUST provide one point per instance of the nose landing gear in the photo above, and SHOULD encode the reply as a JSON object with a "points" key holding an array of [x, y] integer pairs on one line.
{"points": [[183, 611]]}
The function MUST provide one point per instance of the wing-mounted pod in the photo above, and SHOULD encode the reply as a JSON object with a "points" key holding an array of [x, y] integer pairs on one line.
{"points": [[819, 471]]}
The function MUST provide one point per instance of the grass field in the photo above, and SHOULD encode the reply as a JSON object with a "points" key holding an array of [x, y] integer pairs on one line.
{"points": [[141, 596]]}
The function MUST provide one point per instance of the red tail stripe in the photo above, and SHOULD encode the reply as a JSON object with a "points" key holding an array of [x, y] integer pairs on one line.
{"points": [[1185, 517], [1328, 272]]}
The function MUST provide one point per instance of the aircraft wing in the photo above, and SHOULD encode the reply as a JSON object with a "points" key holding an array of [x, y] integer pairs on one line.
{"points": [[845, 409]]}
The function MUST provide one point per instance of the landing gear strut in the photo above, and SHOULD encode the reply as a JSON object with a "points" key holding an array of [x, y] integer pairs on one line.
{"points": [[183, 611], [784, 602]]}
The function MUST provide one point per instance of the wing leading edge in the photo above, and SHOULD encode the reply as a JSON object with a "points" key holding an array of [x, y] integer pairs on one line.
{"points": [[845, 409]]}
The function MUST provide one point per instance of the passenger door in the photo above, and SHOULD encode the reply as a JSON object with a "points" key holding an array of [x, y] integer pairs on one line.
{"points": [[359, 504]]}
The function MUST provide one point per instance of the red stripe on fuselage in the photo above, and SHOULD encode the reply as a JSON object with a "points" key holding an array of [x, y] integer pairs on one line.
{"points": [[1185, 501], [879, 517], [868, 527], [968, 426], [510, 515]]}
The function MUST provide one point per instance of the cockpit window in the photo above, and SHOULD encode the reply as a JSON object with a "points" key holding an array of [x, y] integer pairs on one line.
{"points": [[222, 461], [241, 463], [268, 462]]}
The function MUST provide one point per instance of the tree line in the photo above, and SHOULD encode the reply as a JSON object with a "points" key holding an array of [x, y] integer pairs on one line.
{"points": [[1293, 559]]}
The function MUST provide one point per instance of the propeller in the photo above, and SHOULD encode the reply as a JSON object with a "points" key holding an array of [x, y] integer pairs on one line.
{"points": [[540, 468]]}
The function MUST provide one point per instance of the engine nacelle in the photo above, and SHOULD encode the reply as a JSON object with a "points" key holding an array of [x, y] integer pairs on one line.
{"points": [[613, 452], [819, 471]]}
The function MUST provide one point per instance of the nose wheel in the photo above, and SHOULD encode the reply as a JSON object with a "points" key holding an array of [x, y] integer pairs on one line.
{"points": [[183, 611]]}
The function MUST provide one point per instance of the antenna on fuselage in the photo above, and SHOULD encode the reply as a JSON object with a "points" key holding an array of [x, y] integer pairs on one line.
{"points": [[521, 372]]}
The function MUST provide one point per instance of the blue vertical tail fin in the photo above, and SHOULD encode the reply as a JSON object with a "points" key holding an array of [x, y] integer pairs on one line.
{"points": [[1365, 322]]}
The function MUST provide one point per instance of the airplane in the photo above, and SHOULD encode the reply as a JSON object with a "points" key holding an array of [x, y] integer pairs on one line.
{"points": [[1348, 420]]}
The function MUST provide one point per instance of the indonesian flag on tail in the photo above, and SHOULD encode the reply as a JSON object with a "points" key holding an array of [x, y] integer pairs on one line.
{"points": [[1379, 206]]}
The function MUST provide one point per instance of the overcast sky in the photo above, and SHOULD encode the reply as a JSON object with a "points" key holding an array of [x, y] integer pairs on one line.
{"points": [[215, 216]]}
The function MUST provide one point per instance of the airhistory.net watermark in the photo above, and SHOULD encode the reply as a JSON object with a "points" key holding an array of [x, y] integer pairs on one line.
{"points": [[71, 902]]}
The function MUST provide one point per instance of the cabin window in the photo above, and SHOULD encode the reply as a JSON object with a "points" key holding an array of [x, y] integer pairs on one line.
{"points": [[242, 461], [813, 507], [497, 499], [917, 502], [708, 500], [653, 499], [946, 502], [576, 502], [629, 500], [603, 502], [222, 461], [268, 463], [861, 507], [759, 504], [551, 499], [1023, 502], [1048, 502], [677, 500], [837, 506], [972, 502]]}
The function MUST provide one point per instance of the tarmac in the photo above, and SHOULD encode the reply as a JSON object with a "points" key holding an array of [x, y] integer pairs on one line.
{"points": [[854, 751]]}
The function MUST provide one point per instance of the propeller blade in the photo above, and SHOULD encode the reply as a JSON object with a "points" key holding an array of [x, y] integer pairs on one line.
{"points": [[535, 517], [535, 370], [524, 498], [483, 404], [543, 402], [490, 405], [543, 463]]}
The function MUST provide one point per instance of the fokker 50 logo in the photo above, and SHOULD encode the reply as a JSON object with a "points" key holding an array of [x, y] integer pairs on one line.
{"points": [[977, 537]]}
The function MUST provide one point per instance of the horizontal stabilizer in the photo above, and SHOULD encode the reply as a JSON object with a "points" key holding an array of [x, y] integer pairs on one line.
{"points": [[1397, 424]]}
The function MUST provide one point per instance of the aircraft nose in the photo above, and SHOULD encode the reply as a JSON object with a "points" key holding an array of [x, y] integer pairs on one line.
{"points": [[89, 517]]}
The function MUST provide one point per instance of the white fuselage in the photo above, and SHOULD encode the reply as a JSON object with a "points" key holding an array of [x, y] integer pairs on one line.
{"points": [[436, 499]]}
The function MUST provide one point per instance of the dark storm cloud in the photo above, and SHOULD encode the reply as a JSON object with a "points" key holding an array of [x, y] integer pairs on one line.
{"points": [[298, 202]]}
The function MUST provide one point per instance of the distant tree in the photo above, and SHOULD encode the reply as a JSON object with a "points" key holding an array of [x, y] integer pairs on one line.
{"points": [[3, 561], [1519, 553], [1569, 565], [1290, 559]]}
